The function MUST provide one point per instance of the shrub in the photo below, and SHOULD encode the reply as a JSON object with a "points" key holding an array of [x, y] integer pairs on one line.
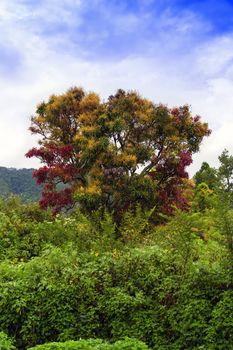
{"points": [[5, 342], [220, 332], [94, 344], [172, 290]]}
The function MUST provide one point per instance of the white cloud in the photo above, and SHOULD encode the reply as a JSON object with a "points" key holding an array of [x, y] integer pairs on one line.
{"points": [[216, 56], [212, 147]]}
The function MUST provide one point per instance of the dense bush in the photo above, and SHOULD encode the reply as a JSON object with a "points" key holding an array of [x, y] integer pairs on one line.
{"points": [[94, 344], [5, 342], [139, 293], [25, 231], [73, 277]]}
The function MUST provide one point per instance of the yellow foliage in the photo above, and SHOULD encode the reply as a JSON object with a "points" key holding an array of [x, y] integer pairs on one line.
{"points": [[88, 129], [91, 143], [90, 102], [93, 188], [188, 189], [127, 159], [40, 119], [174, 138], [114, 253], [88, 118], [79, 137]]}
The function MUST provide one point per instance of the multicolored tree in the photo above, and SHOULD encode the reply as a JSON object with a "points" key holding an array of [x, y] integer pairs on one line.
{"points": [[114, 154]]}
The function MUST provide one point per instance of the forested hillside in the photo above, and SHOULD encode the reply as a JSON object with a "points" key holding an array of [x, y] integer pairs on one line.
{"points": [[19, 182]]}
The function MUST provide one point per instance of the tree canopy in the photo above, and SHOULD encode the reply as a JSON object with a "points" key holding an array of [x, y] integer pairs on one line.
{"points": [[225, 170], [114, 154], [208, 175]]}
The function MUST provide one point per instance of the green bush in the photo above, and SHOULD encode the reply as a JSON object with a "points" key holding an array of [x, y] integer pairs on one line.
{"points": [[94, 344], [5, 342], [138, 293], [73, 277], [25, 231], [220, 331]]}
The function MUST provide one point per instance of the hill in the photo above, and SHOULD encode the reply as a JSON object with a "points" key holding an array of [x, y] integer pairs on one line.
{"points": [[19, 182]]}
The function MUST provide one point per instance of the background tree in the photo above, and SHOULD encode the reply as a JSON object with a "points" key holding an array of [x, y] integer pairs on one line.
{"points": [[203, 198], [225, 170], [208, 175], [114, 154]]}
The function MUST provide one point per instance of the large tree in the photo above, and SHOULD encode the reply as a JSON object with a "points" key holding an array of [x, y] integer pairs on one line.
{"points": [[114, 154]]}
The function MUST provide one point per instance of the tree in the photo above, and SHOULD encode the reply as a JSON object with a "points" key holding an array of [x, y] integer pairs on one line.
{"points": [[204, 198], [208, 175], [114, 154], [225, 170]]}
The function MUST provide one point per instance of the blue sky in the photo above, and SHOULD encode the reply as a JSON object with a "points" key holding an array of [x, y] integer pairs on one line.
{"points": [[171, 51]]}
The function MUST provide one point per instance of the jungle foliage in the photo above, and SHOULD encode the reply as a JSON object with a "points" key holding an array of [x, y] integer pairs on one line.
{"points": [[73, 277]]}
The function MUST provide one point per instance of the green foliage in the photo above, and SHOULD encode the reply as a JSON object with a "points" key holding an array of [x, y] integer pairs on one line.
{"points": [[220, 332], [219, 180], [5, 342], [21, 229], [94, 344], [208, 175], [204, 198], [226, 170], [71, 276], [141, 293], [25, 230], [135, 224]]}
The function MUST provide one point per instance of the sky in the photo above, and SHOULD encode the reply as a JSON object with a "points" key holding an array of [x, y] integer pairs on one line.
{"points": [[174, 52]]}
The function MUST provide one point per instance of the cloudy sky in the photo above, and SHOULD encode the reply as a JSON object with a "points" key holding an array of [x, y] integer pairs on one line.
{"points": [[171, 51]]}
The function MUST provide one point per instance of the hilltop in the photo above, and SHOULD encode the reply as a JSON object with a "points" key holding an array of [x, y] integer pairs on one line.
{"points": [[19, 182]]}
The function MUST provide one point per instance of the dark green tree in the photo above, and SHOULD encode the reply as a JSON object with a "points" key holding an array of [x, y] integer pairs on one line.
{"points": [[225, 171], [208, 175]]}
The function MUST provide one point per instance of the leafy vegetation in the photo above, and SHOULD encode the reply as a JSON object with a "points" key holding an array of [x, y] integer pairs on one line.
{"points": [[94, 344], [5, 342], [122, 269], [69, 277]]}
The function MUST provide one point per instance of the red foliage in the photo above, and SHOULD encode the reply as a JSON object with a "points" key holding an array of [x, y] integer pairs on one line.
{"points": [[184, 161], [196, 118], [57, 200], [171, 197], [51, 153], [41, 175], [56, 171], [171, 193]]}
